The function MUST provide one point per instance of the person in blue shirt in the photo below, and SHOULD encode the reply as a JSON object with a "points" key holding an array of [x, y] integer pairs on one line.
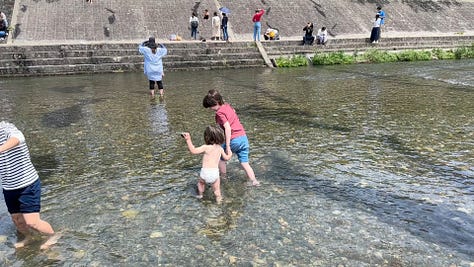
{"points": [[381, 14], [153, 64]]}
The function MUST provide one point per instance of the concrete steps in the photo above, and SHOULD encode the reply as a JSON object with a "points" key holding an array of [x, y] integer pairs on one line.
{"points": [[113, 57]]}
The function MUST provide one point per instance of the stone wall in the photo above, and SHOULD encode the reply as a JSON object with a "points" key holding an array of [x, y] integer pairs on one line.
{"points": [[46, 21]]}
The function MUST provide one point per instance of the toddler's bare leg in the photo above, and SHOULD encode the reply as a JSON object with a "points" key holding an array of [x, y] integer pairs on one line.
{"points": [[216, 186], [201, 187]]}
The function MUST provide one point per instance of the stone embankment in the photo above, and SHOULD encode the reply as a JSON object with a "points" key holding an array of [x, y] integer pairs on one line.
{"points": [[80, 37], [120, 57]]}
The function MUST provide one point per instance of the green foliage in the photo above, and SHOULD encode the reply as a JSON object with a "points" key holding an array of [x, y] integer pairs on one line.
{"points": [[411, 55], [294, 61], [377, 56], [333, 58], [464, 52], [441, 54]]}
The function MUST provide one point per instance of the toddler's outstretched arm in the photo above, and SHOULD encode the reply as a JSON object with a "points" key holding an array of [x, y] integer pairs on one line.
{"points": [[191, 147]]}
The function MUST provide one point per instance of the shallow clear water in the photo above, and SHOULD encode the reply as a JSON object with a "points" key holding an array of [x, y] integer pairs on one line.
{"points": [[362, 165]]}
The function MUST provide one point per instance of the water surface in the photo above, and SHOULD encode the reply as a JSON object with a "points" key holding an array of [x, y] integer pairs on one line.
{"points": [[362, 165]]}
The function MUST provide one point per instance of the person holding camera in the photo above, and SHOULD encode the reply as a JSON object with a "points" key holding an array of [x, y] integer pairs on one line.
{"points": [[257, 25]]}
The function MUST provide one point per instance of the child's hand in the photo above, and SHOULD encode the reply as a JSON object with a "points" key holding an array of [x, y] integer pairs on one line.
{"points": [[186, 136]]}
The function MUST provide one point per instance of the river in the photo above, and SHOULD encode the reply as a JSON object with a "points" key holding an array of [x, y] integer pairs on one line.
{"points": [[360, 165]]}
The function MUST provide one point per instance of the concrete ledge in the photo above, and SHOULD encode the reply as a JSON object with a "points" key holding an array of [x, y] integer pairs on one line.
{"points": [[54, 59]]}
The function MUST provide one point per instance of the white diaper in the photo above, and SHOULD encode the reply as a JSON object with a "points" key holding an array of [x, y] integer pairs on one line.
{"points": [[210, 175]]}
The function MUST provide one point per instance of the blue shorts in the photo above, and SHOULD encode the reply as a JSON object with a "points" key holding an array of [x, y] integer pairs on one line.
{"points": [[24, 200], [240, 146]]}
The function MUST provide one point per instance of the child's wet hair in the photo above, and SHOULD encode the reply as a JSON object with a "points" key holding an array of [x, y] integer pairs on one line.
{"points": [[213, 98], [214, 135]]}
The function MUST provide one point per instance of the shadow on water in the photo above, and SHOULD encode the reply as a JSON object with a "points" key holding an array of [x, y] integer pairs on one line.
{"points": [[66, 116], [435, 223], [426, 162], [69, 89]]}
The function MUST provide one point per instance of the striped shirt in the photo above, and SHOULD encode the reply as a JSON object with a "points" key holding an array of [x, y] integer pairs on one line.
{"points": [[16, 169]]}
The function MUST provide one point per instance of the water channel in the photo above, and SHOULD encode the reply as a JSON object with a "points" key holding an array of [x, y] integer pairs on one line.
{"points": [[361, 165]]}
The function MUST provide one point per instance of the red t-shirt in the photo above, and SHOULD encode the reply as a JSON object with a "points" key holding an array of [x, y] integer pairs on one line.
{"points": [[258, 16], [227, 114]]}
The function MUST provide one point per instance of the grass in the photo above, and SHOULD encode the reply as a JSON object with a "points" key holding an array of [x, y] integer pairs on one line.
{"points": [[377, 56], [294, 61]]}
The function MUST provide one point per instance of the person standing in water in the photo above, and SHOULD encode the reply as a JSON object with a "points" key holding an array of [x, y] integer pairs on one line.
{"points": [[22, 187], [213, 152], [153, 64]]}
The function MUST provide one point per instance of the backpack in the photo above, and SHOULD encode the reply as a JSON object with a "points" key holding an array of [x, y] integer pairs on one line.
{"points": [[194, 24]]}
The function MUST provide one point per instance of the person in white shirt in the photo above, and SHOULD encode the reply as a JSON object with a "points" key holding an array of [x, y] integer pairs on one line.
{"points": [[216, 27], [194, 24], [322, 36], [375, 34]]}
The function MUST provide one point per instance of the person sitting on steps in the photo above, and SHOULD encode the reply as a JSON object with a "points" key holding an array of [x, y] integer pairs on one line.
{"points": [[322, 36], [308, 37]]}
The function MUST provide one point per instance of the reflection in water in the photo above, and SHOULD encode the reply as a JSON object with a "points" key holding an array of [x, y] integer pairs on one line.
{"points": [[158, 118], [368, 165]]}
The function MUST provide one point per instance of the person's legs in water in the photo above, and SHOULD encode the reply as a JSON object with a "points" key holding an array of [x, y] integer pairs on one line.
{"points": [[240, 146], [34, 222], [24, 206], [201, 187], [161, 88], [216, 187], [152, 89]]}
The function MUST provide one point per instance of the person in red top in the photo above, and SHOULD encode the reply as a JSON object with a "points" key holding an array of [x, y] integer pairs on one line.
{"points": [[235, 137], [257, 25]]}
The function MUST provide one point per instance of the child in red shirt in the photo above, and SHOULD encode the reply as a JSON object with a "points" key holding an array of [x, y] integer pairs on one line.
{"points": [[235, 137]]}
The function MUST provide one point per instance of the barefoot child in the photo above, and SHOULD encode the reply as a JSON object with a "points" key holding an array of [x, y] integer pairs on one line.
{"points": [[235, 137], [213, 152], [21, 186]]}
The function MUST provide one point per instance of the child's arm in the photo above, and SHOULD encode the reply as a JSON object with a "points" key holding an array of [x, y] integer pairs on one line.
{"points": [[228, 133], [191, 147], [226, 156]]}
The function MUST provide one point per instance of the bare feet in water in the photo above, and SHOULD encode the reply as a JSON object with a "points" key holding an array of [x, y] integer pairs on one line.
{"points": [[50, 241], [27, 240], [253, 183]]}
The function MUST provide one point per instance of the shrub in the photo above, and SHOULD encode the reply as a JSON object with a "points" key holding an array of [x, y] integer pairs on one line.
{"points": [[464, 52], [411, 55], [294, 61], [441, 54], [333, 58], [377, 56]]}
